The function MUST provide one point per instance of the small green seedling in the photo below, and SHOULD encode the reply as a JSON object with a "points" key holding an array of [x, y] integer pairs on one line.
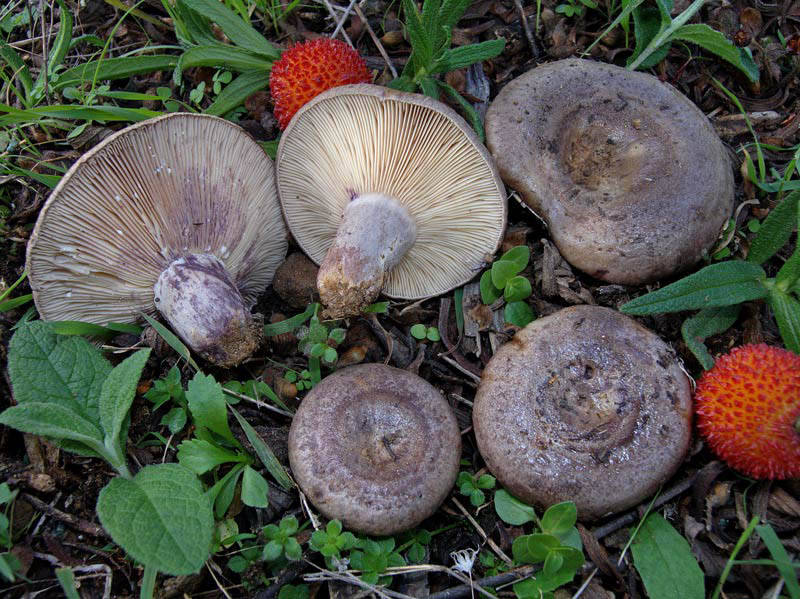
{"points": [[415, 541], [170, 389], [331, 542], [473, 486], [9, 563], [556, 544], [573, 8], [301, 380], [281, 540], [421, 332], [503, 280], [374, 557]]}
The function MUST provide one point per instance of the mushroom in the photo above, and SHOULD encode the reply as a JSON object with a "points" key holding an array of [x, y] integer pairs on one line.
{"points": [[388, 191], [628, 174], [177, 213], [375, 447], [583, 405]]}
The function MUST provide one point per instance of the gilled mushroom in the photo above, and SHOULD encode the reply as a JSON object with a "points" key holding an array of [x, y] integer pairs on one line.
{"points": [[583, 405], [629, 175], [375, 447], [388, 191], [177, 213]]}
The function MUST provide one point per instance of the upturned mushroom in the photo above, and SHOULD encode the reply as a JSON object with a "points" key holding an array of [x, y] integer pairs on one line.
{"points": [[628, 173], [375, 447], [388, 191], [177, 214], [583, 405]]}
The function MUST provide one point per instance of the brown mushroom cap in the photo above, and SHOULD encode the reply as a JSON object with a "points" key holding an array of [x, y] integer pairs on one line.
{"points": [[583, 405], [375, 447], [190, 197], [629, 175], [435, 198]]}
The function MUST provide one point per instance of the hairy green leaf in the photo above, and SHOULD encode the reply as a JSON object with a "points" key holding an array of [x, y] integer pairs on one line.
{"points": [[54, 421], [255, 489], [161, 518], [722, 284], [787, 315], [117, 395], [706, 323], [114, 68], [463, 56], [775, 230], [200, 456], [717, 43], [207, 405], [665, 562]]}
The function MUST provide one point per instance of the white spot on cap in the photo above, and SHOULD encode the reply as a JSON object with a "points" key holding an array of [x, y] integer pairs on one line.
{"points": [[68, 294], [119, 231], [118, 198]]}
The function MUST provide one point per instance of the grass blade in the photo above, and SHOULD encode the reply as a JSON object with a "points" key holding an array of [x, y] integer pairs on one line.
{"points": [[264, 453]]}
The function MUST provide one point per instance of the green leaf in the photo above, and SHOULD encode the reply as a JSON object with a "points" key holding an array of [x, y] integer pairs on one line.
{"points": [[486, 481], [222, 57], [664, 560], [174, 420], [469, 111], [207, 405], [61, 44], [161, 518], [648, 22], [706, 323], [264, 453], [55, 421], [421, 46], [511, 510], [200, 456], [532, 549], [238, 91], [255, 489], [463, 56], [787, 315], [502, 272], [519, 255], [782, 561], [64, 371], [717, 43], [292, 549], [559, 518], [238, 31], [789, 274], [290, 324], [66, 579], [21, 70], [722, 284], [519, 314], [171, 339], [517, 288], [116, 397], [489, 293], [114, 68], [432, 334], [418, 331], [775, 230]]}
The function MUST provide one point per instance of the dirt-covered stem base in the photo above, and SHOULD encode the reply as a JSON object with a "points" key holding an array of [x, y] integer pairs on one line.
{"points": [[375, 233], [201, 303]]}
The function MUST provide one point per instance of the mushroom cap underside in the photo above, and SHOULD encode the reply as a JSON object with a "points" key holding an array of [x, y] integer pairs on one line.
{"points": [[147, 195], [628, 173], [583, 405], [375, 447], [360, 139]]}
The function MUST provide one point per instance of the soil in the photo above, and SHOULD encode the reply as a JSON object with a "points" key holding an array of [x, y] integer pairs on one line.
{"points": [[708, 503]]}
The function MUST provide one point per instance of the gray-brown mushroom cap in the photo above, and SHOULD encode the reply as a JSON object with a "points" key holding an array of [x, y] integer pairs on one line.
{"points": [[388, 191], [186, 202], [375, 447], [584, 405], [628, 174]]}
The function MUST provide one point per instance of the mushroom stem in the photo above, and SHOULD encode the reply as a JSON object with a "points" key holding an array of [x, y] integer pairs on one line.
{"points": [[198, 298], [375, 233]]}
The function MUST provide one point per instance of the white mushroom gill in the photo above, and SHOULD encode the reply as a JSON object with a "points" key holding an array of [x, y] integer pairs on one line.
{"points": [[154, 193], [358, 140]]}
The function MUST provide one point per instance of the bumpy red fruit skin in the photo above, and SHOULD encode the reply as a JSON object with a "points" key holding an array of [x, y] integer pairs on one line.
{"points": [[308, 69], [747, 406]]}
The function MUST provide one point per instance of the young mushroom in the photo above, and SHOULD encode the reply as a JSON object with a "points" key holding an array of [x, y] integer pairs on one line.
{"points": [[375, 447], [629, 175], [177, 213], [583, 405], [388, 191]]}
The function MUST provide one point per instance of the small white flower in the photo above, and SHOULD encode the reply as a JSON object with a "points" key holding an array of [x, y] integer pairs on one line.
{"points": [[464, 560]]}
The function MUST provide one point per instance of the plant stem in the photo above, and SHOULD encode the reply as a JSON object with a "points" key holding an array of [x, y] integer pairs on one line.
{"points": [[663, 36], [739, 544], [148, 583]]}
